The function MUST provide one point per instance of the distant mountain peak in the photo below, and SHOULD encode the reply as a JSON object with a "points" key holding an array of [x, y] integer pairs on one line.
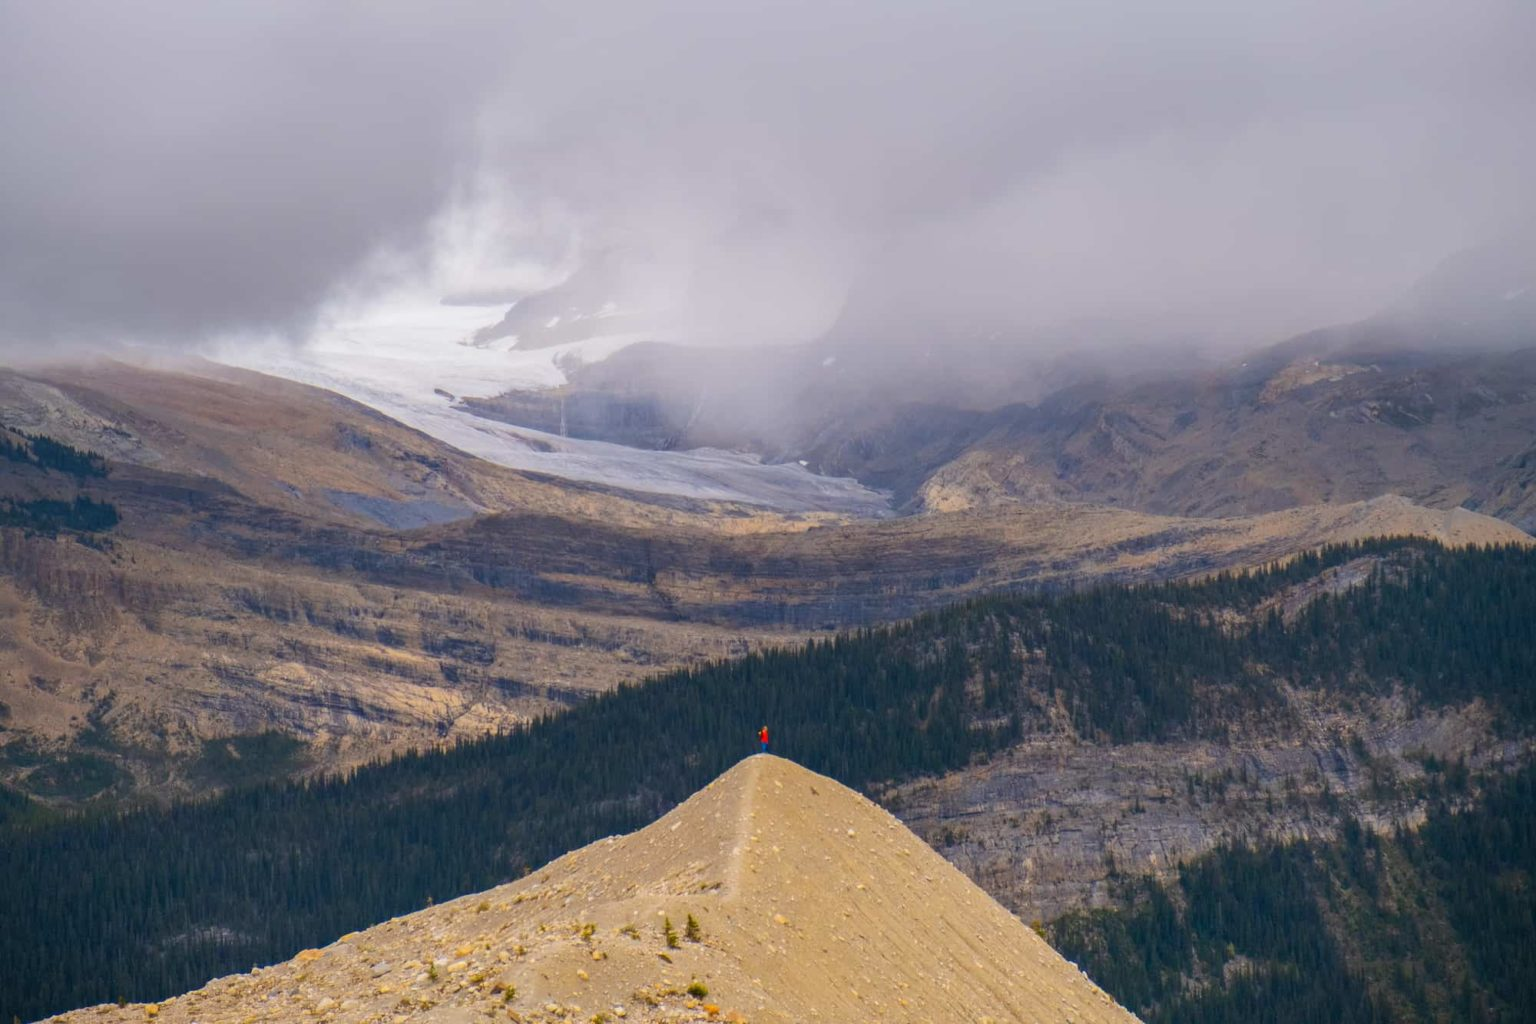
{"points": [[1483, 296]]}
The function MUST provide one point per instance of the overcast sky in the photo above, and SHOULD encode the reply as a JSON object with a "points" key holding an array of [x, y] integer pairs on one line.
{"points": [[177, 171]]}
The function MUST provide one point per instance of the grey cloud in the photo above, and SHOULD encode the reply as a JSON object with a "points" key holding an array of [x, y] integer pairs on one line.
{"points": [[176, 168], [1231, 170]]}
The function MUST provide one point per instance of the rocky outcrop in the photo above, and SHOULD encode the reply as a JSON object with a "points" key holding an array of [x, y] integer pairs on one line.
{"points": [[1050, 825]]}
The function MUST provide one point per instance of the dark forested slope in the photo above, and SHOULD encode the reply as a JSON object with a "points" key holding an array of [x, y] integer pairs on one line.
{"points": [[154, 902], [1433, 925]]}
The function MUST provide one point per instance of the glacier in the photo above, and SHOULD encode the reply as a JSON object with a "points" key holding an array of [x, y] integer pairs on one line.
{"points": [[413, 359]]}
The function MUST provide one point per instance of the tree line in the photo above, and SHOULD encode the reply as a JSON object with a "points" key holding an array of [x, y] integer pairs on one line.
{"points": [[46, 453], [1437, 924], [151, 902]]}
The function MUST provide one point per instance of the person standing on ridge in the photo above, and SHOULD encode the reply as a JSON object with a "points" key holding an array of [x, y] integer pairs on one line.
{"points": [[762, 739]]}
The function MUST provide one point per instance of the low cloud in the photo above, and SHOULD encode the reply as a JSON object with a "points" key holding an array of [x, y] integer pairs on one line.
{"points": [[904, 171]]}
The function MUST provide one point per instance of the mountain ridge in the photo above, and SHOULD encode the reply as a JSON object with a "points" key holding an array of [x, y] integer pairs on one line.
{"points": [[766, 871]]}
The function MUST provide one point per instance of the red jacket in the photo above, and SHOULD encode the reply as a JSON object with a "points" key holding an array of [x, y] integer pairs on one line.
{"points": [[762, 735]]}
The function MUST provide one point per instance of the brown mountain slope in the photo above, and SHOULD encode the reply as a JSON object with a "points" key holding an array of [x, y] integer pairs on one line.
{"points": [[299, 449], [259, 581], [1285, 430], [811, 903], [866, 571], [146, 658], [236, 598]]}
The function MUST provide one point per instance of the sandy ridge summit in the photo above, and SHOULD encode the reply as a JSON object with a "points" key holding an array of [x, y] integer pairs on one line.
{"points": [[773, 895]]}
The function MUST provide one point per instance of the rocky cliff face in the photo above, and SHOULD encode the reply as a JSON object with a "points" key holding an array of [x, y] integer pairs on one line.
{"points": [[1049, 826]]}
